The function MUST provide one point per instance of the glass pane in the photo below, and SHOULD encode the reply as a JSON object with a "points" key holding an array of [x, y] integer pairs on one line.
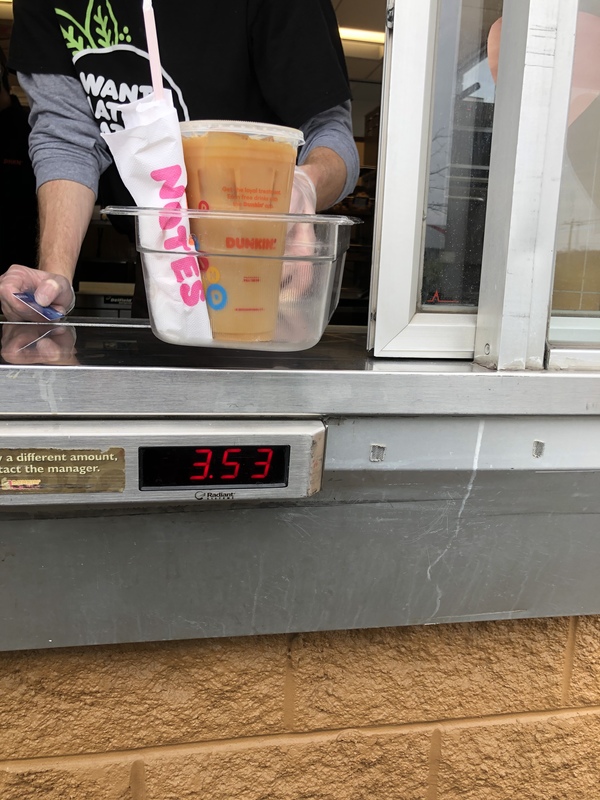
{"points": [[577, 275], [460, 155]]}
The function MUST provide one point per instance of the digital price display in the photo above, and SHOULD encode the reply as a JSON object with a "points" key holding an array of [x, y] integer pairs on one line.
{"points": [[246, 466]]}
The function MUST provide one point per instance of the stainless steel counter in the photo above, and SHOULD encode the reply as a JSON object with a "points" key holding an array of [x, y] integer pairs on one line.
{"points": [[449, 493], [123, 370]]}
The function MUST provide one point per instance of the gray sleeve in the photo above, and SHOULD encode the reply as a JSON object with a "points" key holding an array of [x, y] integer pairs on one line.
{"points": [[65, 141], [333, 129]]}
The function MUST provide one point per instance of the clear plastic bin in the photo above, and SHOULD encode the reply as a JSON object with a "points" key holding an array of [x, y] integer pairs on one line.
{"points": [[241, 281]]}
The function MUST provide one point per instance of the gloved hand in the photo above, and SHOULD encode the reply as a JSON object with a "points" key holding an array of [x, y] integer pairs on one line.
{"points": [[304, 193], [297, 276]]}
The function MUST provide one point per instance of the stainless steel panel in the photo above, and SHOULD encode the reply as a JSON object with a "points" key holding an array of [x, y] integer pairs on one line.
{"points": [[512, 552], [306, 440], [125, 371], [449, 493], [443, 444], [456, 519]]}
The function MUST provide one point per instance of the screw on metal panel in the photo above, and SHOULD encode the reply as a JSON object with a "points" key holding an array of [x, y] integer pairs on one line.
{"points": [[377, 452], [487, 349], [538, 448]]}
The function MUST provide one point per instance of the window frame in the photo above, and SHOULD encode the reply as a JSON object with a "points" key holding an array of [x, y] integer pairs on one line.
{"points": [[534, 89], [511, 327], [404, 150]]}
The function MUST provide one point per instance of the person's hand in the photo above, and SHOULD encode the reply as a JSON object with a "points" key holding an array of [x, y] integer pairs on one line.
{"points": [[38, 344], [49, 289], [297, 276], [304, 193]]}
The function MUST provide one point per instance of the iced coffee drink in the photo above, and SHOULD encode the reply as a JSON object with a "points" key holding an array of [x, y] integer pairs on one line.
{"points": [[249, 169]]}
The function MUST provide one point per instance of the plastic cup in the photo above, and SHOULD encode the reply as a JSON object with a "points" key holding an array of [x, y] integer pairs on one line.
{"points": [[248, 168]]}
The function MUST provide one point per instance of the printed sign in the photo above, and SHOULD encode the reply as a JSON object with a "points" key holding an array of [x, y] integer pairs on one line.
{"points": [[58, 471]]}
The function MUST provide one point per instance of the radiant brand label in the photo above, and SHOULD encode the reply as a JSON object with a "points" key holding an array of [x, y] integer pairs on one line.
{"points": [[215, 495], [58, 471]]}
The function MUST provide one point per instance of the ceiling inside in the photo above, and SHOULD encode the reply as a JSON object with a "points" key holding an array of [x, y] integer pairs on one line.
{"points": [[477, 16], [365, 15]]}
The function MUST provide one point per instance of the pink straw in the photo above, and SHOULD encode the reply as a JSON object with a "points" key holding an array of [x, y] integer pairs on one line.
{"points": [[153, 52]]}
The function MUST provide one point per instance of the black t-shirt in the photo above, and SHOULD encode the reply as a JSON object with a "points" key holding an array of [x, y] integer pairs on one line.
{"points": [[278, 61], [18, 202]]}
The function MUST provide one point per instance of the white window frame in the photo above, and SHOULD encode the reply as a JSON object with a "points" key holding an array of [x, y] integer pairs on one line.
{"points": [[530, 127], [397, 329], [510, 330], [573, 338], [574, 343]]}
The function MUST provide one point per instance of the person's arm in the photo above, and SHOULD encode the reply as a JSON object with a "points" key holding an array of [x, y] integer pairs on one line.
{"points": [[65, 141], [68, 156], [327, 170], [329, 156], [65, 209]]}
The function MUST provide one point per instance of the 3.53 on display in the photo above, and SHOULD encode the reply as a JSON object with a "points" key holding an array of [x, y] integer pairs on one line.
{"points": [[214, 465]]}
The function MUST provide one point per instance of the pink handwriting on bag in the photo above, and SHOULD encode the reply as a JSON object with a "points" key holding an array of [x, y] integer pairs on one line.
{"points": [[186, 267]]}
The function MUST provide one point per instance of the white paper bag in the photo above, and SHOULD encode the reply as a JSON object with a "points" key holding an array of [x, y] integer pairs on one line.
{"points": [[149, 157]]}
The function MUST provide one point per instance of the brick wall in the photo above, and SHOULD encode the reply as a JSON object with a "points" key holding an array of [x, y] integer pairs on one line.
{"points": [[494, 710]]}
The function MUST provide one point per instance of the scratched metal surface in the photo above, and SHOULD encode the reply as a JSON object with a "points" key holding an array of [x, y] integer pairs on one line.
{"points": [[117, 370], [457, 519]]}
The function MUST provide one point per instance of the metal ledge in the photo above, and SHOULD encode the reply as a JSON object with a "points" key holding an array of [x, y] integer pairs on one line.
{"points": [[124, 371]]}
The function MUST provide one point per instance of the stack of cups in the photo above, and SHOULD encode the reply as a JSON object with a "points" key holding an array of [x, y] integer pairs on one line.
{"points": [[247, 168]]}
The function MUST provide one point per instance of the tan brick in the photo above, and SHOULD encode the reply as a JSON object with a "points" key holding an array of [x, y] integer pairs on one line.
{"points": [[105, 698], [350, 767], [555, 759], [585, 680], [398, 675], [56, 782]]}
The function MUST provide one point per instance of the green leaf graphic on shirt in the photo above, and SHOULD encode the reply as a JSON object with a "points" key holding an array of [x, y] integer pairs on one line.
{"points": [[102, 29], [74, 43], [99, 29]]}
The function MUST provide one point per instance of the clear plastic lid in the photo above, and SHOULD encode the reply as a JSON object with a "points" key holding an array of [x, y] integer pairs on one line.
{"points": [[278, 133]]}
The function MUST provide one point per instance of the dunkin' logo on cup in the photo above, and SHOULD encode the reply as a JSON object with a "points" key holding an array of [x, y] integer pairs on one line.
{"points": [[249, 243]]}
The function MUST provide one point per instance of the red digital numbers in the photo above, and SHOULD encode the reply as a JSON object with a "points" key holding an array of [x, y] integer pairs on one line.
{"points": [[232, 461], [217, 466], [235, 464], [204, 464], [266, 464]]}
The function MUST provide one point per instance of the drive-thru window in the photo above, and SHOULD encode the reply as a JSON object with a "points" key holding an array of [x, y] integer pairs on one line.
{"points": [[439, 462]]}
